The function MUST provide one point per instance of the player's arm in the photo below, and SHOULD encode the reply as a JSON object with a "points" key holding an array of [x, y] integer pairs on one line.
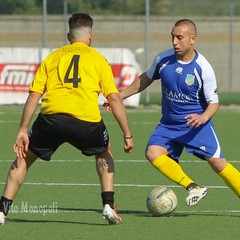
{"points": [[119, 112], [210, 111], [137, 86], [29, 110], [20, 146], [211, 96], [195, 120]]}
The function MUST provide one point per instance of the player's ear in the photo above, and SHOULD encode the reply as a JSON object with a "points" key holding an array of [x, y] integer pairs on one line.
{"points": [[90, 36], [69, 37], [193, 39]]}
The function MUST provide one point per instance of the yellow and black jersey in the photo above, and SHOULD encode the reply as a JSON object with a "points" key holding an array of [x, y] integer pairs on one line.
{"points": [[71, 79]]}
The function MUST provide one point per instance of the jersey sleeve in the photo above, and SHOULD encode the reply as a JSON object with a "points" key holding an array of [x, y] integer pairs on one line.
{"points": [[39, 82], [210, 85], [107, 82], [151, 72], [154, 71]]}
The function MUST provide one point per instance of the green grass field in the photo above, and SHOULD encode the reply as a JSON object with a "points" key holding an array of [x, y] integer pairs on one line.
{"points": [[69, 187]]}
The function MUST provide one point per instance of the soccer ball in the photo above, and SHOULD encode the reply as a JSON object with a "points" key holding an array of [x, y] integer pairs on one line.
{"points": [[161, 201]]}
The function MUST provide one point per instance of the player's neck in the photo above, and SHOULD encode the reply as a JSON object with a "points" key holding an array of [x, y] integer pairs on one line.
{"points": [[187, 57]]}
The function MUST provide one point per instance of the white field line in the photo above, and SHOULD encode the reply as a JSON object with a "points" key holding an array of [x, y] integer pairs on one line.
{"points": [[57, 210], [177, 211], [136, 123], [107, 123], [116, 185], [117, 161], [9, 121], [97, 184]]}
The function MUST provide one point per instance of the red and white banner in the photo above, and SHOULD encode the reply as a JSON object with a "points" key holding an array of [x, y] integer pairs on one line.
{"points": [[18, 67], [16, 77]]}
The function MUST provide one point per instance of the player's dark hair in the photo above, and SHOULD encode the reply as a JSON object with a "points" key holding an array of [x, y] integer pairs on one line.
{"points": [[188, 22], [78, 20]]}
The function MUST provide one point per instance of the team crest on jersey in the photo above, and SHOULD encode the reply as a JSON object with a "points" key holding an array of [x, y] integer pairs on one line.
{"points": [[189, 80]]}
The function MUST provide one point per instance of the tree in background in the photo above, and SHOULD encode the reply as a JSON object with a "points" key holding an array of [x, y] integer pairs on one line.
{"points": [[124, 7], [20, 7]]}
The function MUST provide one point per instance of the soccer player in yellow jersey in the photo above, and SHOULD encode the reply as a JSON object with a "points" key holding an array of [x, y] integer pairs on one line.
{"points": [[68, 82]]}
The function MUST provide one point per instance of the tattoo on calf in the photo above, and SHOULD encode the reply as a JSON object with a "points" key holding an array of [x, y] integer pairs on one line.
{"points": [[102, 164]]}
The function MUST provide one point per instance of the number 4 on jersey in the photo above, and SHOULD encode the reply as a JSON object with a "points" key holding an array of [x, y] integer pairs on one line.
{"points": [[73, 66]]}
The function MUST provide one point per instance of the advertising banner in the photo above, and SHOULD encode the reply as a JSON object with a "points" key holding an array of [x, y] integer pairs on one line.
{"points": [[18, 67]]}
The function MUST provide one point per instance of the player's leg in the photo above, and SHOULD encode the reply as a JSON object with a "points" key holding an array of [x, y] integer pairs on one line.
{"points": [[43, 143], [15, 178], [105, 170], [163, 151], [229, 174], [207, 144], [93, 139], [158, 156]]}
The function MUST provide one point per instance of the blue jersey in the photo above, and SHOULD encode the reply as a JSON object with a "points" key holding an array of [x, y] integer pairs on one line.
{"points": [[186, 87]]}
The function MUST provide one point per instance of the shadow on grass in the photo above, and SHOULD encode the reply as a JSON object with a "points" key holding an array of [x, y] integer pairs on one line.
{"points": [[72, 210], [206, 214], [132, 212], [19, 220], [136, 213], [181, 214]]}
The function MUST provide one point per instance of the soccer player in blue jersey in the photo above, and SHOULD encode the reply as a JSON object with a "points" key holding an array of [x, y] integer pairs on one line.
{"points": [[189, 101]]}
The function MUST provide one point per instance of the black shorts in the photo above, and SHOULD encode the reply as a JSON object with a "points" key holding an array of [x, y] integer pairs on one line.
{"points": [[50, 131]]}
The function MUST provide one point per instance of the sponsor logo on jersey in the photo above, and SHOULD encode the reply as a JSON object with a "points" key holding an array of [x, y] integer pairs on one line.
{"points": [[163, 66], [189, 80], [203, 148], [176, 96], [179, 70]]}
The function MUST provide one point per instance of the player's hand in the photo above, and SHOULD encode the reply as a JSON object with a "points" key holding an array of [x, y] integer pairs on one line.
{"points": [[195, 120], [20, 147], [129, 145], [106, 106]]}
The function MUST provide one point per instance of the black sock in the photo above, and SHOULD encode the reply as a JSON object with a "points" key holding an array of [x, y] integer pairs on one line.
{"points": [[5, 205], [191, 186], [107, 198]]}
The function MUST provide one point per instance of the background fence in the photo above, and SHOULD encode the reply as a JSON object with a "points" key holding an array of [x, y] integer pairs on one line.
{"points": [[146, 34]]}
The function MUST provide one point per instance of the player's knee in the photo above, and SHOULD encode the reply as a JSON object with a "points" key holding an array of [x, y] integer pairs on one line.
{"points": [[153, 152], [146, 155], [217, 164], [150, 155]]}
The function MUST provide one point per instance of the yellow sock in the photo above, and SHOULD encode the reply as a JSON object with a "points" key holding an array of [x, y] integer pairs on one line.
{"points": [[231, 176], [172, 170]]}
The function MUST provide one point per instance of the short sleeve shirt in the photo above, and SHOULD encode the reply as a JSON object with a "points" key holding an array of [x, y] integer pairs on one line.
{"points": [[71, 78]]}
